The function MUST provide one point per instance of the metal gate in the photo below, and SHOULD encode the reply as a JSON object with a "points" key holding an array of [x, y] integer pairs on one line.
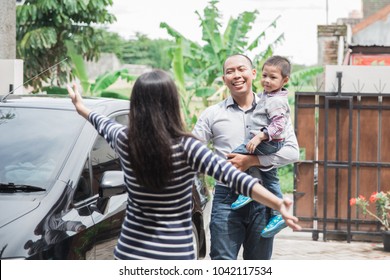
{"points": [[345, 151]]}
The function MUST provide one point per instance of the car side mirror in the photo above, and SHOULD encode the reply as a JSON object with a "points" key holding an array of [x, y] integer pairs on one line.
{"points": [[112, 183]]}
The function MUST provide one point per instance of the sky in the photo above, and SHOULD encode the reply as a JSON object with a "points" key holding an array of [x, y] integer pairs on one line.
{"points": [[298, 20]]}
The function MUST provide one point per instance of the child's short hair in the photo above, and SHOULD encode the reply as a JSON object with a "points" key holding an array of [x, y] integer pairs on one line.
{"points": [[281, 62]]}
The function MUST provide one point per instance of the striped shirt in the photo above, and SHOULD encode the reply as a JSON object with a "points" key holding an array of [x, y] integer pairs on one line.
{"points": [[158, 225]]}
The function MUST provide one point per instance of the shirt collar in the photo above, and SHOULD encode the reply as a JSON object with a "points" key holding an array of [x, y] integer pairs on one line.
{"points": [[282, 91], [230, 101]]}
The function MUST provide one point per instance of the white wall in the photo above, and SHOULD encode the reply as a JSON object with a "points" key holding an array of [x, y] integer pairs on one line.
{"points": [[362, 79], [11, 72]]}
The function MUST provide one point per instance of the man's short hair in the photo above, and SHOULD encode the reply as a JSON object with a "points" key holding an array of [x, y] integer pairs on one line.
{"points": [[238, 54]]}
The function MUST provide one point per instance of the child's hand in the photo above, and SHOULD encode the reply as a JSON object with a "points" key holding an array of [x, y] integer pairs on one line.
{"points": [[252, 144]]}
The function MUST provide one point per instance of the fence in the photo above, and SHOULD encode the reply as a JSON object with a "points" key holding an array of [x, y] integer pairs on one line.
{"points": [[345, 152]]}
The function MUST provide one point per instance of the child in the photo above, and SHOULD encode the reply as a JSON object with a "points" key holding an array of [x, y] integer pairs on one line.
{"points": [[269, 121]]}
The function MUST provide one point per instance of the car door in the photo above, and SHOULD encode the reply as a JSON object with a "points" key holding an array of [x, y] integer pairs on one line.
{"points": [[107, 212]]}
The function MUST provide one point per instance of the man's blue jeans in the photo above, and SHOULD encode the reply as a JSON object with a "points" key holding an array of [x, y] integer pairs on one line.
{"points": [[232, 228]]}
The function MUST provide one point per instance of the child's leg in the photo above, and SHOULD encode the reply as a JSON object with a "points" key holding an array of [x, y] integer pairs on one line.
{"points": [[271, 181], [270, 178], [268, 147], [242, 200], [264, 148], [276, 222], [241, 150]]}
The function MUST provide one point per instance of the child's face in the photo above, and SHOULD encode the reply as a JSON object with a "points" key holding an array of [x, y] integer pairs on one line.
{"points": [[272, 79]]}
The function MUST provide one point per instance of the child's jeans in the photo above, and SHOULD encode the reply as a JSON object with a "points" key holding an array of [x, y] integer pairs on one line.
{"points": [[270, 179], [264, 148]]}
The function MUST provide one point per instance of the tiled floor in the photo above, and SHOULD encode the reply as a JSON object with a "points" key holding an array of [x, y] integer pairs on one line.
{"points": [[291, 245]]}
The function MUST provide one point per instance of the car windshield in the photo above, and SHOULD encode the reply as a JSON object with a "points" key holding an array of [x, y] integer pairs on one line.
{"points": [[34, 143]]}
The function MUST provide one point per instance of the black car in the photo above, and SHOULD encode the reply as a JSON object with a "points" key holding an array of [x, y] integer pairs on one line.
{"points": [[61, 188]]}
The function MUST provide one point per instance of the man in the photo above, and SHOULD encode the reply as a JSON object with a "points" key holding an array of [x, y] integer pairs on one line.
{"points": [[226, 125]]}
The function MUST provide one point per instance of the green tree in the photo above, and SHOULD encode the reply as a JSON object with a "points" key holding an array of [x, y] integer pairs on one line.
{"points": [[146, 51], [305, 76], [112, 43], [140, 50], [197, 68], [44, 26]]}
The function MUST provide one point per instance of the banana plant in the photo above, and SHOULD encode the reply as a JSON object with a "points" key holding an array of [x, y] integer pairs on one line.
{"points": [[100, 85], [305, 76], [198, 69]]}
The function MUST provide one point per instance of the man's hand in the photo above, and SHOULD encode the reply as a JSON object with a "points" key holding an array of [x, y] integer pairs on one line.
{"points": [[243, 162]]}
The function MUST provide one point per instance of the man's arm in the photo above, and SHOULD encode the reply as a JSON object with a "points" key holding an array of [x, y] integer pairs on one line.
{"points": [[243, 162], [289, 153], [202, 128]]}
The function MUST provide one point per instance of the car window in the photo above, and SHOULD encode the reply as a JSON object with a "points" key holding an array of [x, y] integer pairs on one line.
{"points": [[34, 143], [102, 158]]}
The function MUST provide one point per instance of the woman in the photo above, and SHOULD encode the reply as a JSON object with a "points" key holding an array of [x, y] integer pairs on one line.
{"points": [[159, 160]]}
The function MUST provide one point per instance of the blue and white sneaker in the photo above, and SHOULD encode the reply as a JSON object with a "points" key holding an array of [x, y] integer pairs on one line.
{"points": [[240, 202], [275, 224]]}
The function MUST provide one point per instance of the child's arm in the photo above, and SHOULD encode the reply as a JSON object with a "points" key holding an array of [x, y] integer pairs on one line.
{"points": [[277, 126], [256, 140], [278, 112], [288, 154]]}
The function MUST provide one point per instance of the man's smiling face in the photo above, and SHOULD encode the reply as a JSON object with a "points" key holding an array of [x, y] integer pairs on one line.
{"points": [[238, 75]]}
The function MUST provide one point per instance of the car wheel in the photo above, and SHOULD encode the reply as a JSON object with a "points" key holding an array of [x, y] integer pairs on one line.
{"points": [[195, 240]]}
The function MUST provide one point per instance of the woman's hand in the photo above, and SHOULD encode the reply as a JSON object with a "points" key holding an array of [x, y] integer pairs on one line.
{"points": [[77, 101], [290, 220], [264, 196]]}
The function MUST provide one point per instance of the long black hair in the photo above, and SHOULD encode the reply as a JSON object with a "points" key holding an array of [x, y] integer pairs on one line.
{"points": [[155, 124]]}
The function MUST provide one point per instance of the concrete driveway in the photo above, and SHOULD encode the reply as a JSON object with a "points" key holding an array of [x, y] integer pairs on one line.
{"points": [[289, 245]]}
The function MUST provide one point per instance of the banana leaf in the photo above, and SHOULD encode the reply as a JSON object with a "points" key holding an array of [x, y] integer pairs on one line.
{"points": [[107, 79], [79, 68], [204, 92], [113, 94], [305, 76], [55, 90], [236, 33]]}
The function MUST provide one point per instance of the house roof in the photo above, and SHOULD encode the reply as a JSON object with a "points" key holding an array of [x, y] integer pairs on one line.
{"points": [[374, 49], [379, 15]]}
